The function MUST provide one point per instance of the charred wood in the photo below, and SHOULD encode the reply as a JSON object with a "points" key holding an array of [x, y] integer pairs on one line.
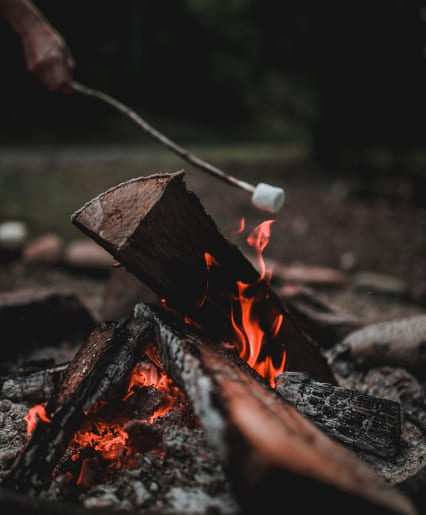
{"points": [[264, 441], [161, 233], [358, 420], [97, 370], [35, 387]]}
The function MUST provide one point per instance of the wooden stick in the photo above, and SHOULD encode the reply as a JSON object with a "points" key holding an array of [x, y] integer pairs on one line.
{"points": [[180, 151]]}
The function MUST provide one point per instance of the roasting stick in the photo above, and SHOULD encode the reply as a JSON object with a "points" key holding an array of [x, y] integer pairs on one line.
{"points": [[264, 196]]}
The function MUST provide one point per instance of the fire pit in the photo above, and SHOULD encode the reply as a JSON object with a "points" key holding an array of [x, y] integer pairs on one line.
{"points": [[210, 401]]}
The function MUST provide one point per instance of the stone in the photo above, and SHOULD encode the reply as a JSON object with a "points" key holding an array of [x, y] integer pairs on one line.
{"points": [[47, 248]]}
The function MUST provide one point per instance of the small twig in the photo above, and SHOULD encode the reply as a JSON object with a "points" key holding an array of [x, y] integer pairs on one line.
{"points": [[184, 154]]}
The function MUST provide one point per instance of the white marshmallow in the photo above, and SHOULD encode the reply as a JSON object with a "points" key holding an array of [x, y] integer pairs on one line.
{"points": [[268, 198]]}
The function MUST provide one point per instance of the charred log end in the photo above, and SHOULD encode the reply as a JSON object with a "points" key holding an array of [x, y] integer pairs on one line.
{"points": [[358, 420]]}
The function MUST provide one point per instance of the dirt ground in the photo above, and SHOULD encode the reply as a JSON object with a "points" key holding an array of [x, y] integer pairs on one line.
{"points": [[354, 223]]}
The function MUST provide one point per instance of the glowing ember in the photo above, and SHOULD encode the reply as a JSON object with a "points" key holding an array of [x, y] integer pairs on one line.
{"points": [[115, 432], [111, 433], [33, 415], [148, 373], [108, 439]]}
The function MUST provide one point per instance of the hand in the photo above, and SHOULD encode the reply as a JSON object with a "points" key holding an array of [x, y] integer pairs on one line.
{"points": [[48, 58]]}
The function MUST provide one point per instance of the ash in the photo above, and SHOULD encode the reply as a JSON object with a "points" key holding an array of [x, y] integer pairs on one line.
{"points": [[187, 479], [178, 472]]}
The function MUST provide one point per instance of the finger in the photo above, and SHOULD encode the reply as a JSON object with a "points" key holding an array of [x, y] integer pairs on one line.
{"points": [[53, 74]]}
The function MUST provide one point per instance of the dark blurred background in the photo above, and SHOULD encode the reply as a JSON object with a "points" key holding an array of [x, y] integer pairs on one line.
{"points": [[326, 99], [346, 78]]}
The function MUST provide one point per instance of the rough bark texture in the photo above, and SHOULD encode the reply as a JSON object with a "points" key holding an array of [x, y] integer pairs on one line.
{"points": [[98, 368], [266, 443], [161, 233], [358, 420]]}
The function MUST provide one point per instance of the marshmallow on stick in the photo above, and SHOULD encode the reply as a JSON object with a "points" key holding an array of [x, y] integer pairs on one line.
{"points": [[265, 197], [268, 198]]}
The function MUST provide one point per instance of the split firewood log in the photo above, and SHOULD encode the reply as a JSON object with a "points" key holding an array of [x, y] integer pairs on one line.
{"points": [[161, 233]]}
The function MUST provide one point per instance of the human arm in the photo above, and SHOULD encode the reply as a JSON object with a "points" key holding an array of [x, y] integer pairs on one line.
{"points": [[47, 55]]}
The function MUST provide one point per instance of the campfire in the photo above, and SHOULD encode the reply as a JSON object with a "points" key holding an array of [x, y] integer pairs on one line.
{"points": [[218, 385]]}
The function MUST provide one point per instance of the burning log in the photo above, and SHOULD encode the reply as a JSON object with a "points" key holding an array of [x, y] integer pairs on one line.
{"points": [[98, 368], [358, 420], [160, 232], [264, 441]]}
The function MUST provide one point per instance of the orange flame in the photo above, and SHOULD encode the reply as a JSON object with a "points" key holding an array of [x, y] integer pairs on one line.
{"points": [[35, 414], [259, 239], [241, 226], [248, 329]]}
